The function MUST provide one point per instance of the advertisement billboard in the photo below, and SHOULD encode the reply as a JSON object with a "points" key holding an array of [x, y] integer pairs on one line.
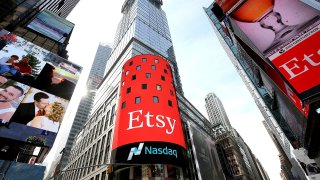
{"points": [[206, 157], [51, 25], [35, 90], [283, 31], [148, 128]]}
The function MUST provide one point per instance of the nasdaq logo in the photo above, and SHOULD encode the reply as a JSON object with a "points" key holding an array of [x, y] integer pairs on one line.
{"points": [[158, 151], [135, 151]]}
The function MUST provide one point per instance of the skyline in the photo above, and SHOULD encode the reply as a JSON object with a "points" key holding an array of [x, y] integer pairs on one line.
{"points": [[202, 46]]}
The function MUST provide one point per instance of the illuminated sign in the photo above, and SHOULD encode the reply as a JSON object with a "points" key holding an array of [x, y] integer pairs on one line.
{"points": [[51, 26], [34, 91], [148, 122]]}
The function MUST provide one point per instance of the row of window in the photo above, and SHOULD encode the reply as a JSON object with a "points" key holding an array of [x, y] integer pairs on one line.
{"points": [[153, 67], [145, 86], [148, 75], [137, 100], [144, 60]]}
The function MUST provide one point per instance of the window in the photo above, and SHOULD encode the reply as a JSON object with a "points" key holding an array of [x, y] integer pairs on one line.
{"points": [[144, 86], [123, 105], [165, 71], [171, 92], [130, 63], [144, 59], [127, 72], [163, 78], [122, 83], [128, 90], [155, 99], [138, 67], [156, 61], [137, 100], [148, 75], [153, 67], [159, 88], [133, 77], [170, 103]]}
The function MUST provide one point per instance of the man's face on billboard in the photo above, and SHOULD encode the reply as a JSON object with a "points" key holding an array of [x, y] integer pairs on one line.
{"points": [[8, 94], [42, 103]]}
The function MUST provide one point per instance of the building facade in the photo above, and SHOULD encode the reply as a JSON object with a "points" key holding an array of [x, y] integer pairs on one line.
{"points": [[142, 30], [284, 112], [94, 79], [230, 143], [216, 111]]}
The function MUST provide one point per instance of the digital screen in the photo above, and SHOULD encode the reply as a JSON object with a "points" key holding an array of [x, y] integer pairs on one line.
{"points": [[51, 26], [148, 120], [35, 90]]}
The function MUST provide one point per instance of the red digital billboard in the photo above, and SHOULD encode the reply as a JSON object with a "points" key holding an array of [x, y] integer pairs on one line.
{"points": [[148, 115], [300, 65]]}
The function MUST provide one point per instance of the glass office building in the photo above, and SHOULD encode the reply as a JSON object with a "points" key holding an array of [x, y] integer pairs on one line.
{"points": [[143, 29]]}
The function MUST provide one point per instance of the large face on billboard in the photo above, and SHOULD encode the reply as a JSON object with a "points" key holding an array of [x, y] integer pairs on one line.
{"points": [[51, 26], [36, 87], [148, 123]]}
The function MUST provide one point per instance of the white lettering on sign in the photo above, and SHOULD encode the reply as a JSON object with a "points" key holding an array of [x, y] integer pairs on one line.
{"points": [[151, 121], [293, 64]]}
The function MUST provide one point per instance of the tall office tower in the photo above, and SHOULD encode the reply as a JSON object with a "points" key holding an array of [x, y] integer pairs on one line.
{"points": [[95, 77], [216, 111], [250, 159], [143, 31], [245, 160], [16, 16], [288, 105]]}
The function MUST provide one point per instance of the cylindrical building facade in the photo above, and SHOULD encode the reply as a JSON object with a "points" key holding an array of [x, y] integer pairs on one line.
{"points": [[148, 128]]}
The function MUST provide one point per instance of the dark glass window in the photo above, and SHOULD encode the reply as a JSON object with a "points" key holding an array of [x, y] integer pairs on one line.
{"points": [[148, 75], [144, 86], [153, 67], [159, 88], [165, 71], [163, 78], [128, 90], [137, 100], [133, 77], [171, 92], [170, 103], [156, 61], [155, 99], [123, 105], [144, 59], [138, 67], [130, 63]]}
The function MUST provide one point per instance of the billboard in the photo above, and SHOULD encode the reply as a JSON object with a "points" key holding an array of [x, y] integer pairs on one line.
{"points": [[283, 31], [52, 26], [206, 157], [35, 90], [148, 128]]}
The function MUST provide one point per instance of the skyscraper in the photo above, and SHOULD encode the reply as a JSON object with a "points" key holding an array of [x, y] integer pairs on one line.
{"points": [[290, 115], [95, 77], [142, 30], [245, 161], [216, 111]]}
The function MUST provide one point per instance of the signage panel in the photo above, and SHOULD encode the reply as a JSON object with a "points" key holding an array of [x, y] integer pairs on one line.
{"points": [[148, 122]]}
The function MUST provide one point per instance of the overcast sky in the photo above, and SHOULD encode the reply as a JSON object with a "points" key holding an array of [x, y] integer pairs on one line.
{"points": [[203, 65]]}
